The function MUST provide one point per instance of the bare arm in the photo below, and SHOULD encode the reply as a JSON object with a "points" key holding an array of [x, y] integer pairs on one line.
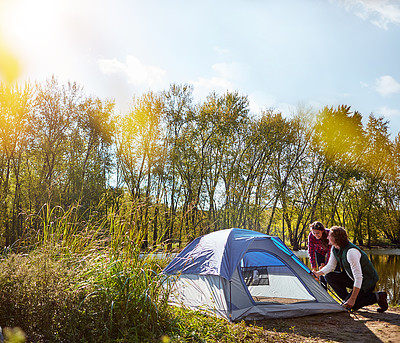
{"points": [[352, 300], [331, 265]]}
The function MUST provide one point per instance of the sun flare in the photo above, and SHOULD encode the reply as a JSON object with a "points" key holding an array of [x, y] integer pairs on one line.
{"points": [[27, 30]]}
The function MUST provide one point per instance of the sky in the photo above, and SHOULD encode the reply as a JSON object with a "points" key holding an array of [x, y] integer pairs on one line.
{"points": [[282, 54]]}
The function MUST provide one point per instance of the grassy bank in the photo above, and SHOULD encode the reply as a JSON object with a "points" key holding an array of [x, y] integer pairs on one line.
{"points": [[99, 297], [87, 282]]}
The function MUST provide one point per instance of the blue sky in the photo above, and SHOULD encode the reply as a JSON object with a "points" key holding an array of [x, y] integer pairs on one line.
{"points": [[282, 54]]}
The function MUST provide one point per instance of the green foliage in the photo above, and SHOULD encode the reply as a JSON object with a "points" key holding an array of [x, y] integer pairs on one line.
{"points": [[54, 148], [181, 169], [90, 292], [132, 302], [35, 295], [71, 265], [196, 327]]}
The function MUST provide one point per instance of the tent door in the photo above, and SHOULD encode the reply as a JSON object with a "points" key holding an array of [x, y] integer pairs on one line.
{"points": [[269, 280]]}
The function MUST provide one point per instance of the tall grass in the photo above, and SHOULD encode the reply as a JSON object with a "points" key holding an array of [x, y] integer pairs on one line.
{"points": [[86, 280]]}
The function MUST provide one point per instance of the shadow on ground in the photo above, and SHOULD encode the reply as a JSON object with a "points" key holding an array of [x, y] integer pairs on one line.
{"points": [[365, 325]]}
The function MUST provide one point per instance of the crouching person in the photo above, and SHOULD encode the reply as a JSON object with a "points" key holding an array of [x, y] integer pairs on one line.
{"points": [[356, 273]]}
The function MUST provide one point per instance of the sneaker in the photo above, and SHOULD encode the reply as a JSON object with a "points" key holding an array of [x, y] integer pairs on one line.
{"points": [[382, 302]]}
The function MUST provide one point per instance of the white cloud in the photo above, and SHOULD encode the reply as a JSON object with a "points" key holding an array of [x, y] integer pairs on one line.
{"points": [[380, 12], [137, 73], [389, 112], [386, 85], [261, 101], [231, 71], [215, 83], [225, 75]]}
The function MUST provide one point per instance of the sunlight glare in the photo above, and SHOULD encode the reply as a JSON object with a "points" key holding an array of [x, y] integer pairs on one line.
{"points": [[9, 65], [33, 31]]}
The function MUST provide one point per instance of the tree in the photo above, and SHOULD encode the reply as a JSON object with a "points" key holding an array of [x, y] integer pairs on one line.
{"points": [[263, 143], [295, 144], [378, 165], [89, 152], [55, 109], [339, 139], [15, 110], [389, 223], [177, 113], [138, 147], [222, 121]]}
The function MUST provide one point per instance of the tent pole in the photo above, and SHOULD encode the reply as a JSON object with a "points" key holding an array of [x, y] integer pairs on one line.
{"points": [[230, 300]]}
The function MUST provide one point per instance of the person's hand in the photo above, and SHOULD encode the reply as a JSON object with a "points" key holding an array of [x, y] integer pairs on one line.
{"points": [[316, 274], [349, 303]]}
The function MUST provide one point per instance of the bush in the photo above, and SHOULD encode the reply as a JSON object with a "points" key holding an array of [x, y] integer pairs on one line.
{"points": [[94, 285], [91, 299], [36, 294]]}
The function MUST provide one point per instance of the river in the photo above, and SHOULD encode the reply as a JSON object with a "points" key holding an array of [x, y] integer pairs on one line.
{"points": [[386, 263]]}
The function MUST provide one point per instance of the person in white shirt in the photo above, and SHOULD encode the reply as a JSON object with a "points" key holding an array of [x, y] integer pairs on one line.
{"points": [[357, 273]]}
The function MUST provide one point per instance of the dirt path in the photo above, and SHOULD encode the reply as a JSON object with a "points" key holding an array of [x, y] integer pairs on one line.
{"points": [[363, 326]]}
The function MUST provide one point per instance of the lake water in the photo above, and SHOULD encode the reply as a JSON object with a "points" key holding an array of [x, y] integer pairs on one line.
{"points": [[386, 263]]}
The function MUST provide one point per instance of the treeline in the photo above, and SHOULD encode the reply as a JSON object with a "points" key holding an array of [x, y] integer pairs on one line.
{"points": [[175, 169]]}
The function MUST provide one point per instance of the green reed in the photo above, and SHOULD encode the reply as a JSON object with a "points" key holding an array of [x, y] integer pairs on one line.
{"points": [[87, 280]]}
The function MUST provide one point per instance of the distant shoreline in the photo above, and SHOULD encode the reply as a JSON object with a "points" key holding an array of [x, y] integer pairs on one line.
{"points": [[375, 250]]}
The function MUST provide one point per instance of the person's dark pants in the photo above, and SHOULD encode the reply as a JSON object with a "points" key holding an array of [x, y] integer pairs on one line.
{"points": [[340, 281], [321, 259]]}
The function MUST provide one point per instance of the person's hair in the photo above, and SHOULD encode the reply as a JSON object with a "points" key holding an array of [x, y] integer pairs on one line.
{"points": [[320, 227], [340, 236]]}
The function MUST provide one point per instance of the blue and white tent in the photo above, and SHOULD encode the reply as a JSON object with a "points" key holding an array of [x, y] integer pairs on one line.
{"points": [[242, 274]]}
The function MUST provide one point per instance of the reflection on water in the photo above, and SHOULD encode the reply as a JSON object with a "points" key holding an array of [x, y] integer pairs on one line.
{"points": [[386, 263], [388, 268]]}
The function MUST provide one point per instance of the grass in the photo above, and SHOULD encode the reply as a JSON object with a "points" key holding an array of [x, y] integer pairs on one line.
{"points": [[86, 281]]}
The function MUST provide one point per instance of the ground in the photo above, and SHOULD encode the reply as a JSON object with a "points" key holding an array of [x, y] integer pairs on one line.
{"points": [[364, 326]]}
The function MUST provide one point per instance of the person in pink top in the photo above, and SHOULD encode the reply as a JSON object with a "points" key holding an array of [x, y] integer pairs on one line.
{"points": [[318, 248]]}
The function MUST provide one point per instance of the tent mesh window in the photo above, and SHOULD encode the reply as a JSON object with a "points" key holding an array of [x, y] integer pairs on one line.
{"points": [[255, 276], [270, 280]]}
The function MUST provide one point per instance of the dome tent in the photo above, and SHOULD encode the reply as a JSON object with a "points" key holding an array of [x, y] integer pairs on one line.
{"points": [[242, 274]]}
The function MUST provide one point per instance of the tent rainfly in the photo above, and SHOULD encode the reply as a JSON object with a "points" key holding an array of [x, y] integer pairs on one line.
{"points": [[242, 274]]}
